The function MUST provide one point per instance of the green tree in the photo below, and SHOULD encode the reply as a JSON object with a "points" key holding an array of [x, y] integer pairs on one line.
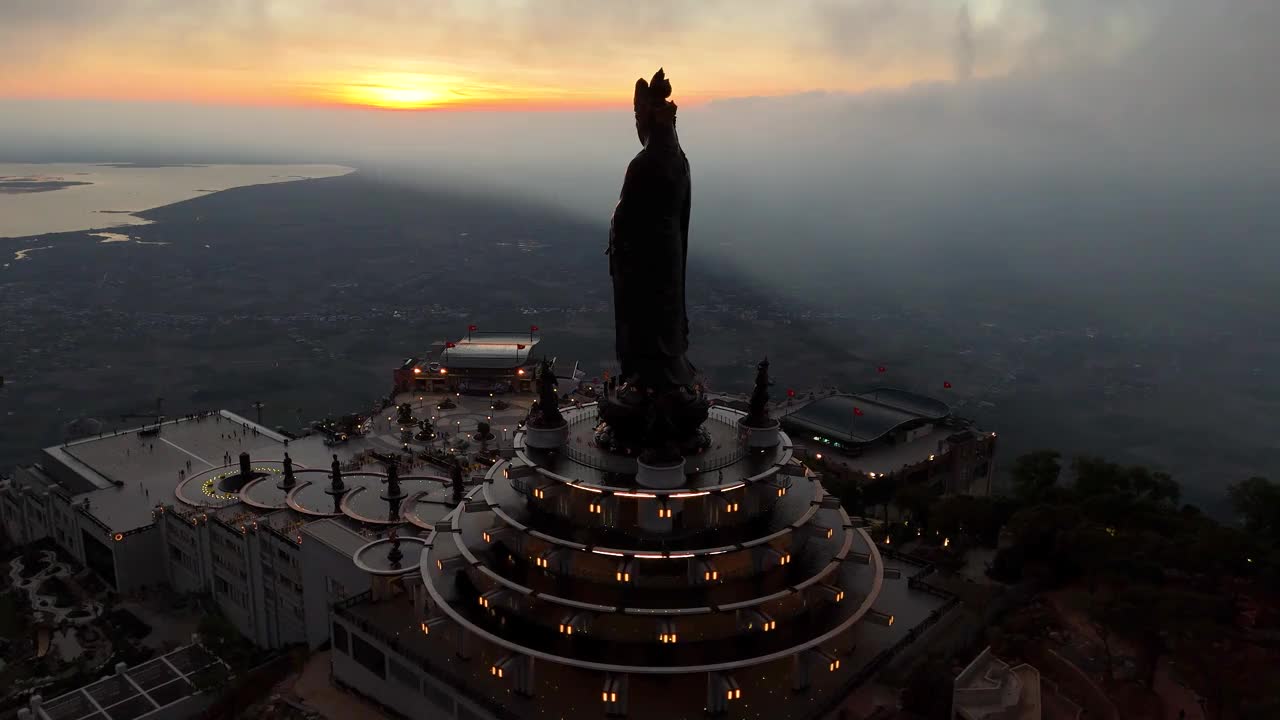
{"points": [[1257, 501], [914, 500], [1095, 476], [405, 414], [927, 690], [1036, 473]]}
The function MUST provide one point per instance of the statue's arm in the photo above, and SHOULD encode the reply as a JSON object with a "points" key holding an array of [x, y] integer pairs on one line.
{"points": [[633, 204]]}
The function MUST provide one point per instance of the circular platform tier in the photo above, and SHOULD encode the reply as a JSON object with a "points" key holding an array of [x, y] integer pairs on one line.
{"points": [[561, 556], [206, 489]]}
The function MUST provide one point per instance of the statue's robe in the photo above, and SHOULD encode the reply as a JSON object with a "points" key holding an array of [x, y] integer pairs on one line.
{"points": [[648, 248]]}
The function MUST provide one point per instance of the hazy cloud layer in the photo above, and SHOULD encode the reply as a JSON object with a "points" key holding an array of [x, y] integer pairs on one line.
{"points": [[263, 49], [1174, 94]]}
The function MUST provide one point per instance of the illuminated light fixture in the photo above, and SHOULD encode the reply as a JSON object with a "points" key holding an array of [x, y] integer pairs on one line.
{"points": [[433, 623], [785, 559], [818, 456], [757, 620], [450, 564], [946, 542], [731, 507], [503, 667], [539, 493], [540, 562], [635, 494], [417, 371], [711, 575], [667, 632], [120, 536], [444, 371], [831, 591], [888, 540], [664, 512], [832, 662], [677, 496], [596, 508], [931, 457], [566, 629], [520, 371], [880, 618], [624, 571], [782, 491]]}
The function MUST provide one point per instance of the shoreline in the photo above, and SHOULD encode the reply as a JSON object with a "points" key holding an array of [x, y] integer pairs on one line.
{"points": [[105, 188]]}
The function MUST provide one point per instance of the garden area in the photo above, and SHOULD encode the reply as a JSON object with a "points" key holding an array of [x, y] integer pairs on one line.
{"points": [[58, 627]]}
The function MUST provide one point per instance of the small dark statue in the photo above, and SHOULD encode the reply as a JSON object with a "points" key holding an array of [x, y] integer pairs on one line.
{"points": [[757, 410], [336, 476], [455, 479], [546, 414]]}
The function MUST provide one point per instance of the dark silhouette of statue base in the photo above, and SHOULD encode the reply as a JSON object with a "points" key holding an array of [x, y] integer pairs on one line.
{"points": [[656, 407]]}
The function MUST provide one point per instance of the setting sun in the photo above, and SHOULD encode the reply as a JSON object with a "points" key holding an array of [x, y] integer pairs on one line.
{"points": [[406, 94]]}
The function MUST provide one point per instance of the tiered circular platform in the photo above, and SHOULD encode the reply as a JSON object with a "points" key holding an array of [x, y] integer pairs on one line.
{"points": [[652, 602], [361, 500]]}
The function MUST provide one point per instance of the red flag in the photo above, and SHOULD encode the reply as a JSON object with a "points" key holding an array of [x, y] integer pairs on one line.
{"points": [[946, 385], [791, 393], [450, 343], [533, 328], [857, 411], [881, 369], [519, 346], [472, 328]]}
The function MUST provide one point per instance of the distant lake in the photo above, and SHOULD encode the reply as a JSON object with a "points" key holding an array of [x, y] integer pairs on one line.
{"points": [[68, 197]]}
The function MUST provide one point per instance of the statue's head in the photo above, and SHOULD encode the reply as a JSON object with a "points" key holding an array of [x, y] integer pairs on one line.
{"points": [[653, 109]]}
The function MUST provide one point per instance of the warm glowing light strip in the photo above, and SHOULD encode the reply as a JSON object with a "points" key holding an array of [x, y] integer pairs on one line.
{"points": [[689, 495], [606, 552], [635, 495]]}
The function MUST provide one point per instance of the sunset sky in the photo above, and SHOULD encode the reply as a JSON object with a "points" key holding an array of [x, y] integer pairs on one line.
{"points": [[528, 53]]}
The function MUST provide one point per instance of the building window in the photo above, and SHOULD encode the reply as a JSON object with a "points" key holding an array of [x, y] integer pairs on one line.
{"points": [[402, 674], [440, 698], [369, 656], [340, 639], [336, 591]]}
